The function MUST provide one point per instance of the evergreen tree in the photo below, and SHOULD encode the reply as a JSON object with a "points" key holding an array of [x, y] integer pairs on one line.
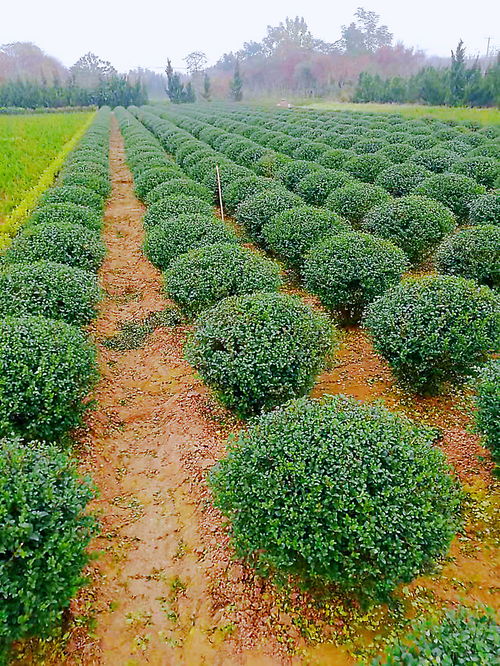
{"points": [[458, 76], [175, 88], [188, 94], [236, 85], [206, 93]]}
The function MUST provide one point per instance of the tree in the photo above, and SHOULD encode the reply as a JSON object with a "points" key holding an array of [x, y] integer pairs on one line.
{"points": [[195, 62], [293, 34], [206, 93], [364, 35], [90, 70], [175, 88], [236, 85], [189, 94], [458, 76]]}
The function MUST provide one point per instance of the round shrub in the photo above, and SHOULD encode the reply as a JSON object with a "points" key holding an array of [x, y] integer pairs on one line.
{"points": [[453, 190], [258, 209], [292, 233], [472, 253], [435, 159], [177, 186], [62, 243], [74, 194], [401, 179], [175, 205], [44, 532], [153, 177], [337, 491], [434, 329], [485, 209], [55, 291], [414, 223], [243, 188], [484, 170], [460, 638], [349, 270], [292, 172], [200, 278], [47, 368], [85, 167], [363, 146], [259, 350], [336, 158], [353, 201], [316, 187], [69, 213], [172, 237], [90, 181], [367, 167], [397, 152], [488, 407], [309, 150]]}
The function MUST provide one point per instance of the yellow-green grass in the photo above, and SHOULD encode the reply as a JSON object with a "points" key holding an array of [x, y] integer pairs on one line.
{"points": [[482, 116], [28, 144]]}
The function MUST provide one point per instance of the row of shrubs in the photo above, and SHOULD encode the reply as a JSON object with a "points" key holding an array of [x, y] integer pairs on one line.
{"points": [[48, 292], [392, 507]]}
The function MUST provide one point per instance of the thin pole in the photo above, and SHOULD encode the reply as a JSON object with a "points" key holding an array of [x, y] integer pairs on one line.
{"points": [[220, 192]]}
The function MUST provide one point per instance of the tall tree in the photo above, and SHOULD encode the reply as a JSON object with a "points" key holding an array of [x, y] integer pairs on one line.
{"points": [[292, 34], [236, 85], [364, 35], [189, 94], [206, 92], [195, 62], [175, 87], [458, 75], [90, 70]]}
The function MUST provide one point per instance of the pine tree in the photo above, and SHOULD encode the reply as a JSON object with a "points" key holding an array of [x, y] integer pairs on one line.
{"points": [[206, 94], [175, 88], [458, 76], [236, 85], [188, 95]]}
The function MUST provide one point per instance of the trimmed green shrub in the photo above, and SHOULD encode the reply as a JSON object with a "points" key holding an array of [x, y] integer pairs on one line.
{"points": [[47, 368], [200, 278], [349, 270], [44, 532], [488, 408], [73, 194], [55, 291], [414, 223], [243, 188], [435, 159], [485, 209], [364, 146], [176, 186], [484, 170], [69, 213], [316, 187], [259, 350], [336, 158], [397, 152], [453, 190], [258, 209], [292, 172], [337, 491], [434, 329], [153, 177], [309, 150], [461, 638], [353, 201], [292, 233], [63, 243], [367, 167], [472, 253], [402, 179], [172, 237], [176, 205], [90, 181]]}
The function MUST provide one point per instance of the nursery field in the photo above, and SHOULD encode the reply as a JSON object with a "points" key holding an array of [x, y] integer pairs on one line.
{"points": [[253, 392], [28, 143]]}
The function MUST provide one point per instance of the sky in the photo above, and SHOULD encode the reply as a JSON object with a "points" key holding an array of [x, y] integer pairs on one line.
{"points": [[145, 33]]}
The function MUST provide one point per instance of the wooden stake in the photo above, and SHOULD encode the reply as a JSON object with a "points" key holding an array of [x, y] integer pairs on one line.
{"points": [[220, 192]]}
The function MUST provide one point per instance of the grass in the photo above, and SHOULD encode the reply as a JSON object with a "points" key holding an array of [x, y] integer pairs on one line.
{"points": [[28, 144], [482, 116]]}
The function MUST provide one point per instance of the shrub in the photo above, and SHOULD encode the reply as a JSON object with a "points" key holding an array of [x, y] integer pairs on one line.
{"points": [[69, 213], [350, 270], [397, 152], [364, 146], [73, 194], [337, 491], [177, 186], [176, 205], [453, 190], [292, 172], [367, 167], [485, 209], [47, 369], [292, 233], [483, 170], [153, 177], [336, 158], [258, 209], [90, 181], [435, 159], [309, 150], [472, 253], [259, 350], [434, 329], [44, 533], [414, 223], [55, 291], [353, 201], [62, 243], [488, 407], [172, 237], [243, 188], [316, 187], [402, 179], [461, 638], [200, 278]]}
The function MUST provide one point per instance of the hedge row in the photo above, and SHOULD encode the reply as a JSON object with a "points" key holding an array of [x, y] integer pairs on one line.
{"points": [[48, 289]]}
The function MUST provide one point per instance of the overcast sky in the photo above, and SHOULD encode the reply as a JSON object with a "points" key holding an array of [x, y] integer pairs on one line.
{"points": [[146, 32]]}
